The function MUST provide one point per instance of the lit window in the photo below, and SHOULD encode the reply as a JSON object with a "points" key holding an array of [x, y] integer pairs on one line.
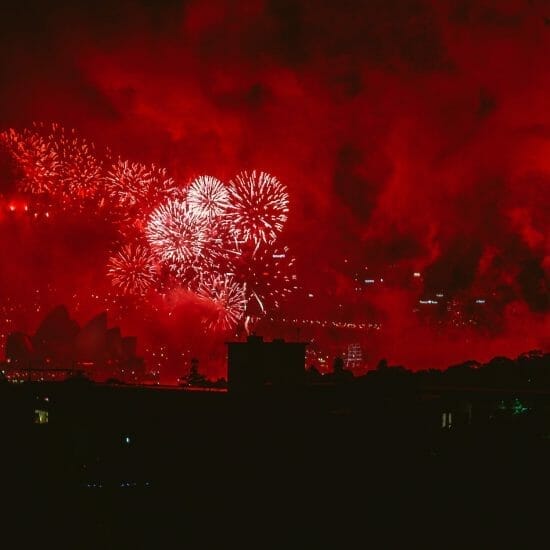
{"points": [[40, 416]]}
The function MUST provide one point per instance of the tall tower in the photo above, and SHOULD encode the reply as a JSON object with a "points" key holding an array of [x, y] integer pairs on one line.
{"points": [[354, 357]]}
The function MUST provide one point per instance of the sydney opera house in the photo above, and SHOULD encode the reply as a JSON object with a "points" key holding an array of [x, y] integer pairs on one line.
{"points": [[60, 348]]}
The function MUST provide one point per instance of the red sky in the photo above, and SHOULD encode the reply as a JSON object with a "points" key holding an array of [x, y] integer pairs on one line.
{"points": [[413, 137]]}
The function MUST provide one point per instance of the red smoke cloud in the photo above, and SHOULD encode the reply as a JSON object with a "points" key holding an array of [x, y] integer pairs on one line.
{"points": [[413, 137]]}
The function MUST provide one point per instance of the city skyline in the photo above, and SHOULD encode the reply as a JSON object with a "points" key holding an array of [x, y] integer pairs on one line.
{"points": [[275, 273], [409, 142]]}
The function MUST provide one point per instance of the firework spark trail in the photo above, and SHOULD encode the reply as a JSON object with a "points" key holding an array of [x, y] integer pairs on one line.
{"points": [[269, 276], [80, 172], [176, 234], [228, 298], [215, 240], [208, 197], [35, 159], [258, 207], [133, 184], [54, 161], [131, 269]]}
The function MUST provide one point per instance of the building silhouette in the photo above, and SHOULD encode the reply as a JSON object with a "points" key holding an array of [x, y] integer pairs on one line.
{"points": [[60, 347], [354, 357], [255, 364]]}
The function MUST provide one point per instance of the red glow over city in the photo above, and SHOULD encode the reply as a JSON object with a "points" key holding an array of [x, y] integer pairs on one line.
{"points": [[208, 170]]}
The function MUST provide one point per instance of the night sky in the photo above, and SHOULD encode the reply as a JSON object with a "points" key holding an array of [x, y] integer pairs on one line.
{"points": [[413, 138]]}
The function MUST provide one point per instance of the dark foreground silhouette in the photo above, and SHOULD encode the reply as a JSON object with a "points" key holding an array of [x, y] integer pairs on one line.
{"points": [[389, 460]]}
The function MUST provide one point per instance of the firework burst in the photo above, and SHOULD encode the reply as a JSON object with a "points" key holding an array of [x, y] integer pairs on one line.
{"points": [[268, 277], [80, 172], [212, 240], [208, 197], [37, 163], [258, 207], [176, 234], [227, 298], [131, 269], [54, 161], [132, 184]]}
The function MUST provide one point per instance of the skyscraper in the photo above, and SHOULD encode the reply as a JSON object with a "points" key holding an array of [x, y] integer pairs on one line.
{"points": [[354, 357]]}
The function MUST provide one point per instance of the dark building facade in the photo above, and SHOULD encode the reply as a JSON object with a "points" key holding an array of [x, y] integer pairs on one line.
{"points": [[255, 364]]}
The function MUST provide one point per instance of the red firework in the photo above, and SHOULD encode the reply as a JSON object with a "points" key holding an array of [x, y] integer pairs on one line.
{"points": [[227, 298], [80, 172], [208, 197], [135, 184], [131, 269], [55, 162], [216, 240], [268, 277], [258, 207], [176, 234], [36, 161]]}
